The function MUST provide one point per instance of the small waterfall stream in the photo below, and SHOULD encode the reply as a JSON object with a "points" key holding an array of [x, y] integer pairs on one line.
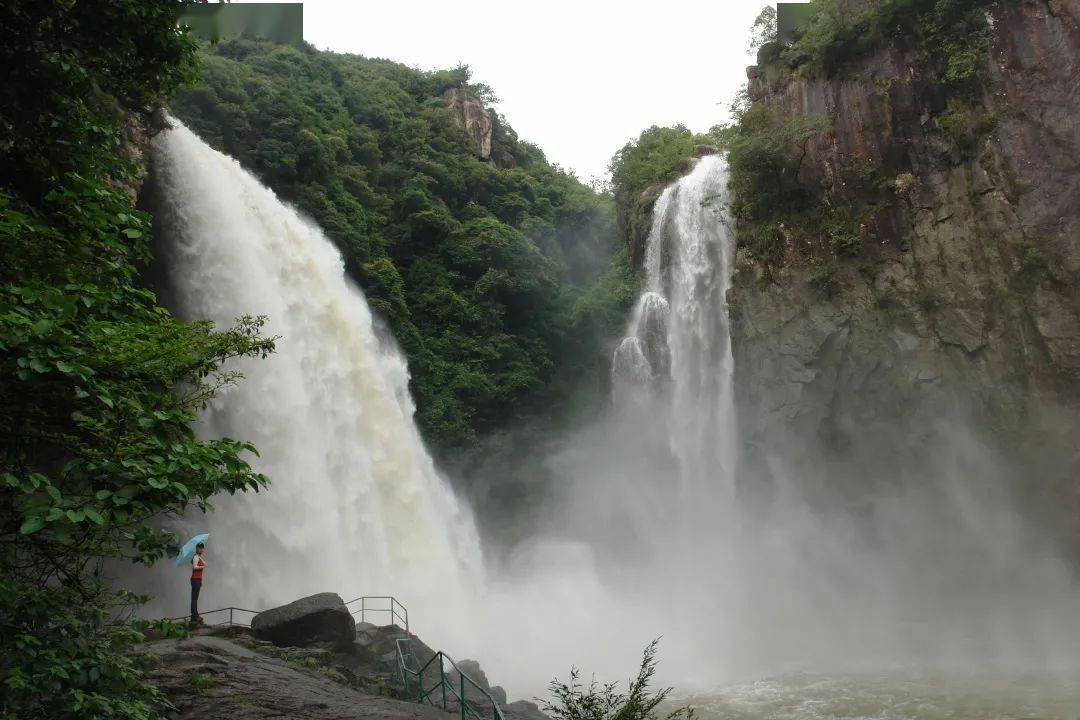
{"points": [[678, 342], [355, 504]]}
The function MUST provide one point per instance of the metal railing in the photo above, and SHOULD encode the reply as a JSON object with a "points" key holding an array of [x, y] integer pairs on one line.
{"points": [[383, 605], [457, 685], [376, 605], [236, 617]]}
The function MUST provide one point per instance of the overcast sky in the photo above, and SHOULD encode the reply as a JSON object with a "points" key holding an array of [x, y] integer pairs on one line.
{"points": [[578, 78]]}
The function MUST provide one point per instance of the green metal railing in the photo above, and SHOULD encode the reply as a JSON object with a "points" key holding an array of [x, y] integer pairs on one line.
{"points": [[446, 689]]}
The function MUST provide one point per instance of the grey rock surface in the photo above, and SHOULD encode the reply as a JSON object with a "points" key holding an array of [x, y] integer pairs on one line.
{"points": [[321, 618], [212, 678], [964, 301]]}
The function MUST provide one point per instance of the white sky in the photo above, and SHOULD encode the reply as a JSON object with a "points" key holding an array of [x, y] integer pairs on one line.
{"points": [[578, 79]]}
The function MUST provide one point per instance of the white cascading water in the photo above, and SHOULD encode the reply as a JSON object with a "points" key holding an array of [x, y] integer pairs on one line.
{"points": [[678, 336], [355, 503]]}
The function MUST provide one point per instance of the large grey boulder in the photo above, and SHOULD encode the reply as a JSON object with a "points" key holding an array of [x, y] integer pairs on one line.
{"points": [[321, 618]]}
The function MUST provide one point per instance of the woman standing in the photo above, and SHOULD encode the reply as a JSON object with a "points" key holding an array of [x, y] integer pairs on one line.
{"points": [[198, 562]]}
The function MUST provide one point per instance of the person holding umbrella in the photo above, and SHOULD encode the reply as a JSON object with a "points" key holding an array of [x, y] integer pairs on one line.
{"points": [[194, 548], [198, 562]]}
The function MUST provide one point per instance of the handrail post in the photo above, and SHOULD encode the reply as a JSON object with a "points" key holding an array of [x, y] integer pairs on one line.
{"points": [[461, 678], [420, 689], [442, 680]]}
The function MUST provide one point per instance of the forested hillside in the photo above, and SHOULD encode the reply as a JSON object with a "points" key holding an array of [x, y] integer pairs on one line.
{"points": [[495, 269]]}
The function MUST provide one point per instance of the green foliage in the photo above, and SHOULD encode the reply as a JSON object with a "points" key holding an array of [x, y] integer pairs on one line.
{"points": [[603, 309], [72, 68], [765, 155], [474, 266], [63, 657], [950, 35], [98, 384], [770, 201], [843, 233], [965, 124], [822, 278], [763, 31], [200, 681], [658, 156], [574, 701]]}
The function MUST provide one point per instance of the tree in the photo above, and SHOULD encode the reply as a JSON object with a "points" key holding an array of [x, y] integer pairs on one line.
{"points": [[99, 385], [764, 28]]}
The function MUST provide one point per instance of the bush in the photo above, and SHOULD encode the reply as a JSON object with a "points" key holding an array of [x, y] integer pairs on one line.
{"points": [[822, 278], [965, 124], [844, 237], [765, 155], [574, 701]]}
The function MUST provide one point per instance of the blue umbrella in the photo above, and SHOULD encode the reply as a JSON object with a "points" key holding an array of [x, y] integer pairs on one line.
{"points": [[189, 548]]}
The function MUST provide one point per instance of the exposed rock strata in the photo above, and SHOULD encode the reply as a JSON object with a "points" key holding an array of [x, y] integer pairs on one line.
{"points": [[473, 116], [965, 301]]}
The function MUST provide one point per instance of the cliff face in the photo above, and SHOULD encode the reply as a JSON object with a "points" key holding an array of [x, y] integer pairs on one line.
{"points": [[965, 300], [473, 116]]}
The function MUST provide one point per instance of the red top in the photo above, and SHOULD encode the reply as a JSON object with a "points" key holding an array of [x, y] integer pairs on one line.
{"points": [[197, 565]]}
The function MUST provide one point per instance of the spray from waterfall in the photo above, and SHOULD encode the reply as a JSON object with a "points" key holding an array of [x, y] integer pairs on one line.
{"points": [[355, 503]]}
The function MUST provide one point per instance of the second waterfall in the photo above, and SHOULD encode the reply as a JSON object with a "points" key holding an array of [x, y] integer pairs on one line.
{"points": [[677, 353]]}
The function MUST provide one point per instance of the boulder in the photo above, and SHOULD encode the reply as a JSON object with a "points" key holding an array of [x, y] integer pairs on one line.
{"points": [[316, 619], [523, 710]]}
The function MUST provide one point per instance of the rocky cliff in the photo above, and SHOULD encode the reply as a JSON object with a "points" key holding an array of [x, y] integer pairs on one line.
{"points": [[473, 116], [964, 299]]}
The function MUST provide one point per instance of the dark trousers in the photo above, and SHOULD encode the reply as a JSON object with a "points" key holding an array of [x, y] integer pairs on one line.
{"points": [[196, 586]]}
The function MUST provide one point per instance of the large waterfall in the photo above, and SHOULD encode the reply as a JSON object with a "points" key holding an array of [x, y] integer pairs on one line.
{"points": [[355, 503]]}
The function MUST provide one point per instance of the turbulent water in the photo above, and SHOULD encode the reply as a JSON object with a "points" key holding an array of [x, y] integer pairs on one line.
{"points": [[355, 503], [900, 695]]}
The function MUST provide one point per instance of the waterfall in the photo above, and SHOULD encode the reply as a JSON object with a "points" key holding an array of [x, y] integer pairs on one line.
{"points": [[678, 337], [355, 504]]}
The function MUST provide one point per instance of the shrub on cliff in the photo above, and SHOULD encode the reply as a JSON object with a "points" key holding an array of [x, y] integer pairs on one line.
{"points": [[950, 36], [98, 384], [658, 156]]}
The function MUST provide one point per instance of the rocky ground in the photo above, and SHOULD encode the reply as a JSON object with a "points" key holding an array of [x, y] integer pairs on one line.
{"points": [[308, 660], [217, 678]]}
